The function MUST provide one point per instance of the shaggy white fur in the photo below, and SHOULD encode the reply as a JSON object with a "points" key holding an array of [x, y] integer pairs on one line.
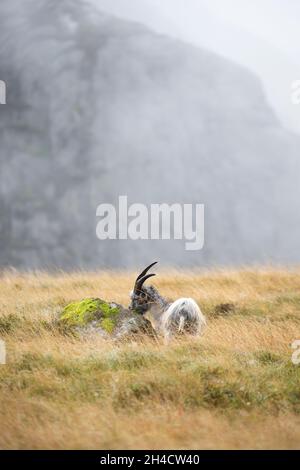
{"points": [[182, 316]]}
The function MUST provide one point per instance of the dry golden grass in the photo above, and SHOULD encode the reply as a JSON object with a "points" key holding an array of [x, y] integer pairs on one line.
{"points": [[235, 387]]}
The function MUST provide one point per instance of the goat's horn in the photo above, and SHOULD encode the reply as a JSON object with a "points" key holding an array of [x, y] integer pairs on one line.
{"points": [[145, 271], [140, 281]]}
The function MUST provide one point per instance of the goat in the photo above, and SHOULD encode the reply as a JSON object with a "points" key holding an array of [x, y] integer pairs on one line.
{"points": [[173, 318]]}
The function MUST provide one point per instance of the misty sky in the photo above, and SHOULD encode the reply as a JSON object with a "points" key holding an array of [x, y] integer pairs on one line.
{"points": [[275, 21], [263, 35]]}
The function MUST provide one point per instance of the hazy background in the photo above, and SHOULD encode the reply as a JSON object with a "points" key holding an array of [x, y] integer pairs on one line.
{"points": [[263, 35], [162, 101]]}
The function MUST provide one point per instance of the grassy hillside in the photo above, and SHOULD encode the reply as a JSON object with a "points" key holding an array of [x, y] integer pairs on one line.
{"points": [[235, 387]]}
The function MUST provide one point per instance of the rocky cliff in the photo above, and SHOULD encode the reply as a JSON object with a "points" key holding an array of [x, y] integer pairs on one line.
{"points": [[98, 107]]}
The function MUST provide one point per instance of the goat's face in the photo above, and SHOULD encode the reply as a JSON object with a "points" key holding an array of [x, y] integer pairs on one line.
{"points": [[144, 298]]}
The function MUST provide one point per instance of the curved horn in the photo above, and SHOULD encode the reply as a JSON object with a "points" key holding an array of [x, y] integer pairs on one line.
{"points": [[145, 271], [140, 281]]}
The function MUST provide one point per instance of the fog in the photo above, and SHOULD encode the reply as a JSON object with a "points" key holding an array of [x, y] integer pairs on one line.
{"points": [[263, 35], [148, 104]]}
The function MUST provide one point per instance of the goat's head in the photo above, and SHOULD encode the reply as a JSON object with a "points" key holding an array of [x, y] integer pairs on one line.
{"points": [[143, 298]]}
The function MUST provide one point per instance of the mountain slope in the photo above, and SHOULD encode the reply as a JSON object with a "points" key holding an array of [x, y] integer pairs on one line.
{"points": [[99, 107]]}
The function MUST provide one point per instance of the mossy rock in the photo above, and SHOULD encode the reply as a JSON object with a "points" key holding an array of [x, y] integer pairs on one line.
{"points": [[91, 311], [110, 319]]}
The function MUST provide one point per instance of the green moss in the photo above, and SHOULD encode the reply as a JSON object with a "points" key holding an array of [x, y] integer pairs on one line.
{"points": [[108, 325], [88, 310], [81, 313], [110, 315]]}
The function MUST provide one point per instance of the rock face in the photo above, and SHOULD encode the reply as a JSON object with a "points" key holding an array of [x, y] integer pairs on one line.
{"points": [[98, 107], [110, 320]]}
